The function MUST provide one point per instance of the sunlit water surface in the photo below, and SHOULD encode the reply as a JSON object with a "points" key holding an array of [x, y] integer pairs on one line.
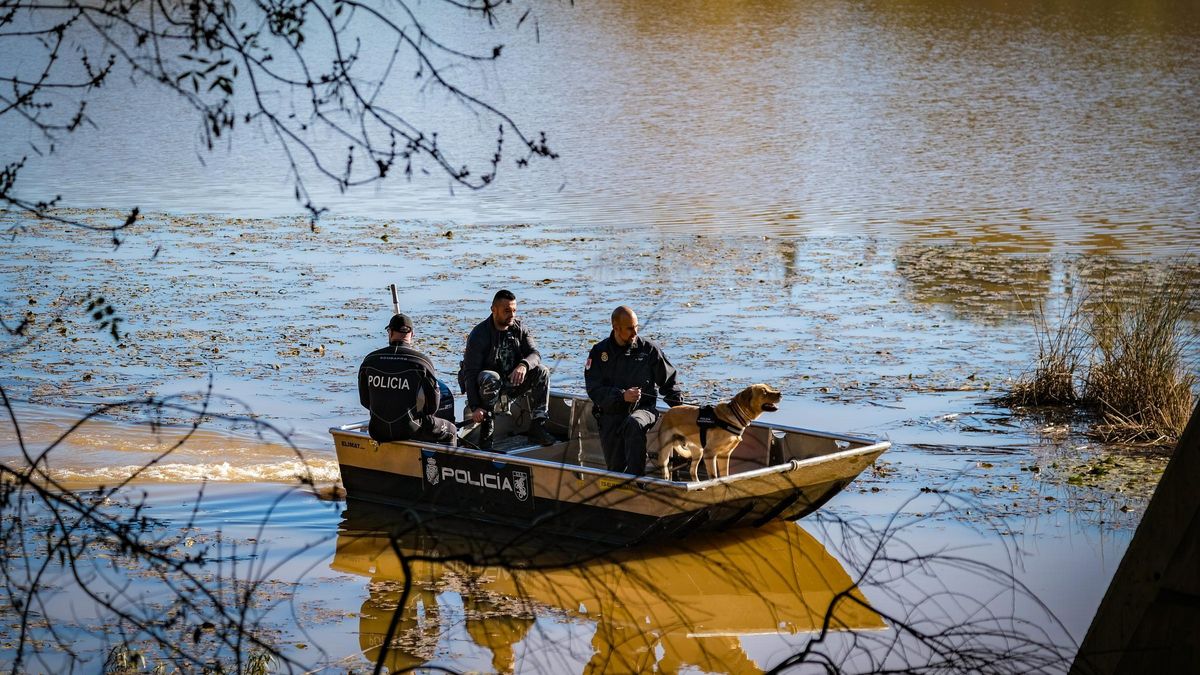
{"points": [[326, 581], [1070, 123], [924, 171]]}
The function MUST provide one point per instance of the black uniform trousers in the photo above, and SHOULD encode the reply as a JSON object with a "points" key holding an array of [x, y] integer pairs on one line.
{"points": [[440, 430], [623, 439], [536, 384]]}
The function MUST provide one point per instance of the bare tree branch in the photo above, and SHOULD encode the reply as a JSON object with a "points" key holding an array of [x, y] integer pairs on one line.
{"points": [[294, 68]]}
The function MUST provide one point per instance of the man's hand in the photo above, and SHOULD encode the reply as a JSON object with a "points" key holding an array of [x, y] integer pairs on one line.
{"points": [[517, 376], [632, 394], [477, 415]]}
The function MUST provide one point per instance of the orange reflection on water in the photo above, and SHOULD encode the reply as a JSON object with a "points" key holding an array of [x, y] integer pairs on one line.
{"points": [[682, 604]]}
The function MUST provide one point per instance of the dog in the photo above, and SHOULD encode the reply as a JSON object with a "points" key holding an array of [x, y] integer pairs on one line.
{"points": [[679, 431]]}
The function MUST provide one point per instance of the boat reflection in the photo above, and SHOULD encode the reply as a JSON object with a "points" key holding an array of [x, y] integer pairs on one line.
{"points": [[682, 604]]}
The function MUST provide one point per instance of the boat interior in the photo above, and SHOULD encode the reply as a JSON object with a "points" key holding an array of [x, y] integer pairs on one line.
{"points": [[763, 445]]}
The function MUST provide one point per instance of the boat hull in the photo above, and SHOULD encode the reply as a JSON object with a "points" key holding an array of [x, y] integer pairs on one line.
{"points": [[557, 491]]}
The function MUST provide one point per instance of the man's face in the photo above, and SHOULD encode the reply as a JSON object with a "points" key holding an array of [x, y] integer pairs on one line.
{"points": [[503, 313], [625, 328]]}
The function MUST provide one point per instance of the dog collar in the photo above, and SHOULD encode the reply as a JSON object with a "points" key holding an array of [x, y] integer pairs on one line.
{"points": [[737, 413]]}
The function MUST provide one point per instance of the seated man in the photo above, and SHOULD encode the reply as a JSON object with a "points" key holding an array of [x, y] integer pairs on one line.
{"points": [[501, 357], [623, 375], [399, 385]]}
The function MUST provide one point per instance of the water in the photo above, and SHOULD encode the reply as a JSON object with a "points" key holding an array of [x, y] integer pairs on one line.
{"points": [[322, 584], [861, 333], [884, 192], [1066, 125]]}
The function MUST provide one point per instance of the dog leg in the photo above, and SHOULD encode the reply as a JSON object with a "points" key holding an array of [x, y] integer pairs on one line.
{"points": [[710, 463], [695, 467], [674, 444], [723, 460], [665, 447]]}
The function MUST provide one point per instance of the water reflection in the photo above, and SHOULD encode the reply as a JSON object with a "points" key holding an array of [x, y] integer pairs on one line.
{"points": [[975, 282], [685, 604], [994, 281], [1073, 122]]}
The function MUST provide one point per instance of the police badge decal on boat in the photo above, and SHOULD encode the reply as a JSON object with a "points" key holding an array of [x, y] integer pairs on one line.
{"points": [[476, 484]]}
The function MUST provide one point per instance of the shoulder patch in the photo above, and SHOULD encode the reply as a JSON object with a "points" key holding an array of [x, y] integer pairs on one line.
{"points": [[604, 356]]}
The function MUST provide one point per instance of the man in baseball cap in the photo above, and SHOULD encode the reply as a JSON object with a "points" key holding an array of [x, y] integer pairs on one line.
{"points": [[400, 323], [399, 385]]}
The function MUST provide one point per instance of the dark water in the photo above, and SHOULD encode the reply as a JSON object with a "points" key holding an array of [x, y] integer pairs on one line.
{"points": [[1065, 123], [325, 586]]}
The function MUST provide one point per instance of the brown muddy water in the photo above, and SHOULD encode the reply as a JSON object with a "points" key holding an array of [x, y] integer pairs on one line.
{"points": [[240, 323], [1069, 121]]}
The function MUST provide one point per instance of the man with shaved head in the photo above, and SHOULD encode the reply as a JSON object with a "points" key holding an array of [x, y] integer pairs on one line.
{"points": [[624, 373]]}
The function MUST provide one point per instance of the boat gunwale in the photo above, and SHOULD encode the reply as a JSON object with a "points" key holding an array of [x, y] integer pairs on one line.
{"points": [[661, 409], [871, 447], [689, 486]]}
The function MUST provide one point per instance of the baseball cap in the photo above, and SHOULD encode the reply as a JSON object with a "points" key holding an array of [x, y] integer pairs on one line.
{"points": [[400, 323]]}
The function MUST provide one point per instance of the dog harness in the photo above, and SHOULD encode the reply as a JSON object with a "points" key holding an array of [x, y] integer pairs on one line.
{"points": [[707, 419]]}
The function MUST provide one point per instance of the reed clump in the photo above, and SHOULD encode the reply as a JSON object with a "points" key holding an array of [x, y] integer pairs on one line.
{"points": [[1138, 379], [1060, 347], [1121, 351]]}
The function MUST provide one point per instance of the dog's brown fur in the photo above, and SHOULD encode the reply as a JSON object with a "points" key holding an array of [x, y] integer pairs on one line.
{"points": [[678, 432]]}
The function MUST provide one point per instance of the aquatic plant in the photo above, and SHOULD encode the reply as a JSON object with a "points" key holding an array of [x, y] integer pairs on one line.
{"points": [[122, 660], [1138, 379], [259, 663], [1120, 351], [1060, 346]]}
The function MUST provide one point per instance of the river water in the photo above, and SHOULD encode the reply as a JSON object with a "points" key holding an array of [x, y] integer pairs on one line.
{"points": [[1073, 123], [861, 203]]}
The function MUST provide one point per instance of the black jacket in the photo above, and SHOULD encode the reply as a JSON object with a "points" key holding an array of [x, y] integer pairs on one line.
{"points": [[483, 345], [611, 369], [399, 386]]}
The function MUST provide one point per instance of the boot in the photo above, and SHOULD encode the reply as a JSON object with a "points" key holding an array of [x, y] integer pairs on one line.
{"points": [[487, 430], [538, 434]]}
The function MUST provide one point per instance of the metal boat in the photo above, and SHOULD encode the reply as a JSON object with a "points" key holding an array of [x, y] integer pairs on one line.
{"points": [[776, 472]]}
